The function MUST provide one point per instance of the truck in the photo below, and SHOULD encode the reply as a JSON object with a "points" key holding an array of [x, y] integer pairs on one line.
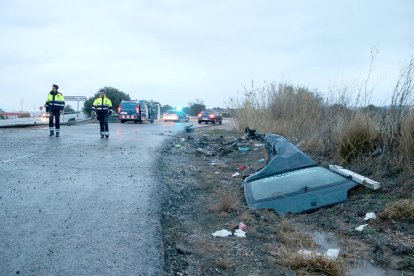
{"points": [[137, 111]]}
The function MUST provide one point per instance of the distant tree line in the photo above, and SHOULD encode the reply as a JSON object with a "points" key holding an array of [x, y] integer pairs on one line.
{"points": [[114, 94]]}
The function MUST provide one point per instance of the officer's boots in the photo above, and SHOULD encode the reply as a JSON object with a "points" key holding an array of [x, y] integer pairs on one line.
{"points": [[51, 133]]}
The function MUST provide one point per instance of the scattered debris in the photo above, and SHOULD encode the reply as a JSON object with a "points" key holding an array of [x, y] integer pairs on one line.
{"points": [[244, 149], [242, 226], [242, 168], [189, 128], [369, 216], [205, 152], [361, 227], [236, 174], [240, 233], [332, 253], [222, 233], [356, 177], [251, 134], [209, 174]]}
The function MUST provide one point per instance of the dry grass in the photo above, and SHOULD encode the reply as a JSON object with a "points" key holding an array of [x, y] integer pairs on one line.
{"points": [[399, 210], [406, 146], [247, 217], [310, 264], [292, 237], [287, 252], [227, 201], [357, 137], [329, 127], [283, 109], [224, 264]]}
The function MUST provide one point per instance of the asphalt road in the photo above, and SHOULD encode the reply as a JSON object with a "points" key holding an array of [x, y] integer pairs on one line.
{"points": [[79, 204]]}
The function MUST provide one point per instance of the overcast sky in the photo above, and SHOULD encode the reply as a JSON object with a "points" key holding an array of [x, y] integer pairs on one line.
{"points": [[176, 51]]}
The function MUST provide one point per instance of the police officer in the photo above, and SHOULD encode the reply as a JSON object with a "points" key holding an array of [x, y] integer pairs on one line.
{"points": [[55, 103], [102, 106]]}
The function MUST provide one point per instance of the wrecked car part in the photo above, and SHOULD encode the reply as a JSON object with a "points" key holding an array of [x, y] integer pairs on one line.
{"points": [[369, 183], [251, 134], [292, 182], [189, 128]]}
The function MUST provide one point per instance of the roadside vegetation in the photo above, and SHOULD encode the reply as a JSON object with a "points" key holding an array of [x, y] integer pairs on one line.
{"points": [[205, 194], [377, 142], [335, 129]]}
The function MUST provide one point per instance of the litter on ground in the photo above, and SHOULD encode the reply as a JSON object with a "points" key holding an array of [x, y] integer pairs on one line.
{"points": [[236, 174], [222, 233], [332, 253], [240, 233], [369, 216], [242, 226], [361, 227]]}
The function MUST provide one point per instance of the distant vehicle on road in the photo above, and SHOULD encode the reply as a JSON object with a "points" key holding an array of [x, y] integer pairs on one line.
{"points": [[209, 116], [136, 111], [175, 115]]}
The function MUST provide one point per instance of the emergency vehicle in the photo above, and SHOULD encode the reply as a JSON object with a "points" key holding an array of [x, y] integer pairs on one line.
{"points": [[136, 111]]}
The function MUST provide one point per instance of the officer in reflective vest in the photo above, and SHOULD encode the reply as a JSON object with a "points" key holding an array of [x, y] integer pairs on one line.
{"points": [[55, 103], [102, 106]]}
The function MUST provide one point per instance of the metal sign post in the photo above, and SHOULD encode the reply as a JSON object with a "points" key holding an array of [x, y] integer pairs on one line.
{"points": [[75, 99]]}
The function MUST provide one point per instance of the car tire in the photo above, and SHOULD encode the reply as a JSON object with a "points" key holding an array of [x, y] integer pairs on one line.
{"points": [[122, 121], [221, 122], [135, 122], [214, 122], [199, 122]]}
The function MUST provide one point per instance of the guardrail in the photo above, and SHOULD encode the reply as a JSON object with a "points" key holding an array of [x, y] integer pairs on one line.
{"points": [[26, 122]]}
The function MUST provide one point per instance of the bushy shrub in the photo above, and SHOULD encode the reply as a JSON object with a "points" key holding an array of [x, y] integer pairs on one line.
{"points": [[406, 145], [398, 210], [357, 137]]}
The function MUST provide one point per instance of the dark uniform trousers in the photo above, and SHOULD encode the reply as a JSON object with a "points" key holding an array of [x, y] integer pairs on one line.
{"points": [[103, 118], [54, 113]]}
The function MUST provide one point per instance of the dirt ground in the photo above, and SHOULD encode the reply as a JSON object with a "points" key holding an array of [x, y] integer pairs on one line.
{"points": [[205, 196]]}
